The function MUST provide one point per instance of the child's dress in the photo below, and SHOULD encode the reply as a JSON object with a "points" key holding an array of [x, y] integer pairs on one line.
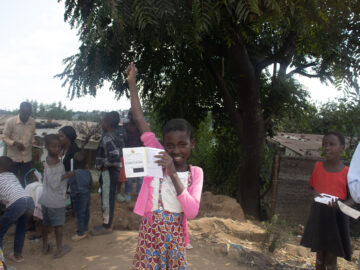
{"points": [[328, 228], [163, 233]]}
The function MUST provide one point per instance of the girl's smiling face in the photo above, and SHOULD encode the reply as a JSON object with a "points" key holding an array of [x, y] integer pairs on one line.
{"points": [[178, 145], [332, 147]]}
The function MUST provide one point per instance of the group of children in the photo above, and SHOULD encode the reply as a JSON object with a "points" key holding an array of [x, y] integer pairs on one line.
{"points": [[20, 205], [55, 183], [165, 203]]}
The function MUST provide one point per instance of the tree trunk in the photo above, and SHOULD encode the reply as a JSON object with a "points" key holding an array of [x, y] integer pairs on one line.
{"points": [[248, 193], [250, 130], [245, 112]]}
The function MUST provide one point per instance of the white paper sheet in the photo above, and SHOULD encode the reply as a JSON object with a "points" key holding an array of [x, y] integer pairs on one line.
{"points": [[325, 198], [347, 210], [153, 169], [322, 200], [134, 161], [140, 161]]}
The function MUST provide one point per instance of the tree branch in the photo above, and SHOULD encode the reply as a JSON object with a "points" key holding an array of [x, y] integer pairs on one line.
{"points": [[283, 56], [303, 73], [300, 69], [267, 62]]}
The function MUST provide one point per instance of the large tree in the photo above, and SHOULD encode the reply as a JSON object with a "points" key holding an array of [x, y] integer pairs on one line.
{"points": [[196, 56]]}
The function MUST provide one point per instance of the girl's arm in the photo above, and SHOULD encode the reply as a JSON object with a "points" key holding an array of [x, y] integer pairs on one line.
{"points": [[190, 198], [137, 112]]}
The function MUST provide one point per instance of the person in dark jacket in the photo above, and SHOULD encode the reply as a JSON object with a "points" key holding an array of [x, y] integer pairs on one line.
{"points": [[69, 147], [67, 135], [108, 161]]}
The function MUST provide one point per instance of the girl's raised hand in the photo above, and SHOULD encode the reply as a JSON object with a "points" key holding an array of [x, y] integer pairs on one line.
{"points": [[166, 161], [131, 72]]}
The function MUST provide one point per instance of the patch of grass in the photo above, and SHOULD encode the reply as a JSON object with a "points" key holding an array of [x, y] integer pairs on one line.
{"points": [[276, 233]]}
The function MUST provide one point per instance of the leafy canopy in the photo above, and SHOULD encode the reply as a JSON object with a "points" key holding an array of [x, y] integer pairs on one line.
{"points": [[196, 56], [169, 40]]}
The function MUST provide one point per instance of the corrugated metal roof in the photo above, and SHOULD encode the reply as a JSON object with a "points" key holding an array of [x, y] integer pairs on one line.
{"points": [[303, 144]]}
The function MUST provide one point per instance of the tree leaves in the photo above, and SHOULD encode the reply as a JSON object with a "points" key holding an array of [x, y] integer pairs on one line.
{"points": [[161, 34]]}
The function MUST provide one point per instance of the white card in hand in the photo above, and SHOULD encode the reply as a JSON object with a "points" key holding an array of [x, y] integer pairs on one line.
{"points": [[325, 198], [140, 161]]}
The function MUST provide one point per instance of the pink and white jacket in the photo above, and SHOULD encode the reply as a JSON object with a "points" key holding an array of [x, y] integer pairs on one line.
{"points": [[189, 198]]}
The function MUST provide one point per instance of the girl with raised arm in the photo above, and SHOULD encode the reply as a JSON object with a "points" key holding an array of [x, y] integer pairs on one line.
{"points": [[165, 204]]}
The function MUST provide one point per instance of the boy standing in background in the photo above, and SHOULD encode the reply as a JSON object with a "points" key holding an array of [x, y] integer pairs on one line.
{"points": [[108, 161], [80, 194], [53, 196]]}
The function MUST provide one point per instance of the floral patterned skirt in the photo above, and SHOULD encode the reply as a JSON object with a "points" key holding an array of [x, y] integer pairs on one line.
{"points": [[161, 242]]}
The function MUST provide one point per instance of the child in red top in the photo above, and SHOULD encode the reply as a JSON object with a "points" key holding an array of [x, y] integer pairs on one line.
{"points": [[332, 183], [327, 229]]}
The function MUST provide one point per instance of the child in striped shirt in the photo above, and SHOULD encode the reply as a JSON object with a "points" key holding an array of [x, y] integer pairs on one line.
{"points": [[19, 207]]}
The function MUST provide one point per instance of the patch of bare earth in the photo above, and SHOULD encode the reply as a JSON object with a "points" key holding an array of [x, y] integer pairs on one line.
{"points": [[221, 237]]}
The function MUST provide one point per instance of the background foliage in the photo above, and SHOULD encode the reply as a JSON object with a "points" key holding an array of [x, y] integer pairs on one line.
{"points": [[233, 58]]}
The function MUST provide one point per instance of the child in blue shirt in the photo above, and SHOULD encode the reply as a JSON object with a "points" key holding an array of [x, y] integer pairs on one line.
{"points": [[80, 194]]}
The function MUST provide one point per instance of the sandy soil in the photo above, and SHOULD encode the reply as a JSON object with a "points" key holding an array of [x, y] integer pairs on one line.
{"points": [[114, 252], [222, 239]]}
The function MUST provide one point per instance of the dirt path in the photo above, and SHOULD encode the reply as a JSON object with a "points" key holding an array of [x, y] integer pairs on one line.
{"points": [[114, 252], [220, 221]]}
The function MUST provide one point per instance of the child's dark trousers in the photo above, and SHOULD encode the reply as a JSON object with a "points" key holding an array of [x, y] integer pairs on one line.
{"points": [[81, 207]]}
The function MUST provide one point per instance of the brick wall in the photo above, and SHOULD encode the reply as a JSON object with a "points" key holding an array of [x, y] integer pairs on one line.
{"points": [[293, 197]]}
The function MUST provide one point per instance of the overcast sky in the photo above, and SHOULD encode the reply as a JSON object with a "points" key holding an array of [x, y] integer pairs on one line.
{"points": [[34, 41]]}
